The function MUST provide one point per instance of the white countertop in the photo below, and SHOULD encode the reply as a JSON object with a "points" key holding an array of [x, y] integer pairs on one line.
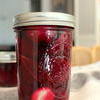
{"points": [[85, 84]]}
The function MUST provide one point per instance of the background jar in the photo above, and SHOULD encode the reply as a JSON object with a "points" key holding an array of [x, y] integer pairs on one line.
{"points": [[8, 69]]}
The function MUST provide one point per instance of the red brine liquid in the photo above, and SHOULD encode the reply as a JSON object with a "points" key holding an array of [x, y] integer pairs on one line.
{"points": [[44, 61], [8, 74]]}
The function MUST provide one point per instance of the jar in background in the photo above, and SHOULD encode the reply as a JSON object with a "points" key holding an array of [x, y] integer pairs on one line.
{"points": [[8, 69], [44, 41]]}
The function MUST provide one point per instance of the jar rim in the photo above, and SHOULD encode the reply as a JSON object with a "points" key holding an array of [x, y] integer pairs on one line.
{"points": [[44, 18], [7, 57]]}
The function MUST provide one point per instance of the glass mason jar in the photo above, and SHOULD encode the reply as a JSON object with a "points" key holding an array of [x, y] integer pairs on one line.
{"points": [[8, 69], [44, 41]]}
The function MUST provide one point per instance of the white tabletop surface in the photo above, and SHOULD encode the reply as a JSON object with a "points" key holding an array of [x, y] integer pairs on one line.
{"points": [[85, 84]]}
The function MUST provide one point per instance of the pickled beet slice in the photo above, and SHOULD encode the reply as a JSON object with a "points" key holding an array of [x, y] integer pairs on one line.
{"points": [[8, 75], [28, 77], [26, 46], [36, 40], [3, 78], [54, 73], [60, 66], [62, 46], [54, 50], [43, 94], [60, 71], [29, 65], [41, 33], [65, 37]]}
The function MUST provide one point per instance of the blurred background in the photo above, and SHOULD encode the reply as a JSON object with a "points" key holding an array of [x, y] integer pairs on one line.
{"points": [[8, 11], [86, 13], [86, 36]]}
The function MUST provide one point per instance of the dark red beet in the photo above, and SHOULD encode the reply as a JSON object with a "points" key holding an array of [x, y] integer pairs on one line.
{"points": [[27, 47], [65, 38], [62, 46], [40, 33], [8, 74], [27, 71], [29, 66], [56, 75]]}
